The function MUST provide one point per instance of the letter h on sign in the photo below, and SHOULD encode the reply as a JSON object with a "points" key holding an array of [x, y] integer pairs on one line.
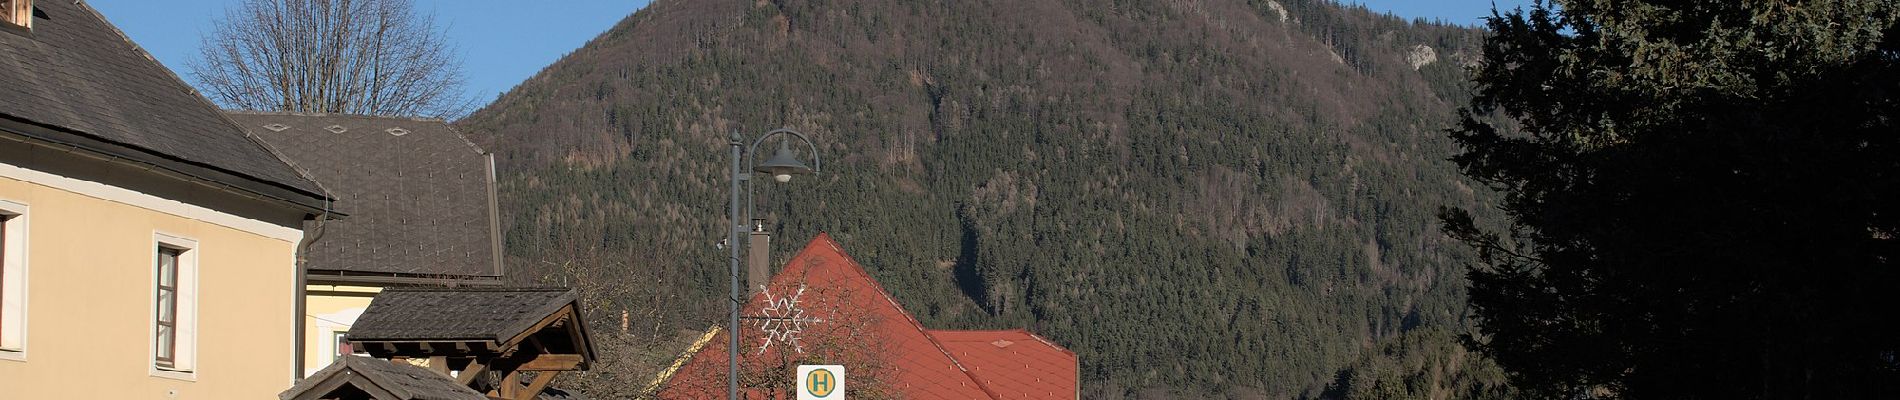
{"points": [[820, 382]]}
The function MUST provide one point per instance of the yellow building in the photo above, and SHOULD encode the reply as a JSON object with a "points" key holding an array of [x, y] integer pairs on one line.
{"points": [[148, 245]]}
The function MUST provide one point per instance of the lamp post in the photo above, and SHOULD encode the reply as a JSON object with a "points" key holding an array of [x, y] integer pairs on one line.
{"points": [[781, 167]]}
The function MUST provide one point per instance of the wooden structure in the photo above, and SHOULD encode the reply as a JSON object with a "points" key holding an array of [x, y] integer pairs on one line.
{"points": [[363, 378], [488, 339]]}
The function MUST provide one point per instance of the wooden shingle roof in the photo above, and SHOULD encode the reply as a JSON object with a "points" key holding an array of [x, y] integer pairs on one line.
{"points": [[419, 194], [457, 314], [354, 377]]}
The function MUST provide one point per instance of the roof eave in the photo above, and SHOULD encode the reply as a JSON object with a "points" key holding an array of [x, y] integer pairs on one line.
{"points": [[57, 137], [348, 277]]}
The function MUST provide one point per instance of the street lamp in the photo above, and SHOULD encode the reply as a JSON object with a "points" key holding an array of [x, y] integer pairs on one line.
{"points": [[781, 167]]}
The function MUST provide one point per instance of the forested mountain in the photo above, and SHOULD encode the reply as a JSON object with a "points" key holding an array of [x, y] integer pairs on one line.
{"points": [[1200, 198]]}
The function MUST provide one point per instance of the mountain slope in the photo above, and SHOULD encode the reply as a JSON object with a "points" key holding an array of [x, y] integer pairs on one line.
{"points": [[1198, 197]]}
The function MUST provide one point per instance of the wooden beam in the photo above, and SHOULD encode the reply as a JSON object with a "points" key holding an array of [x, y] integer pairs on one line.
{"points": [[552, 362], [535, 340], [510, 385], [439, 364], [467, 376], [578, 337], [541, 381], [564, 312]]}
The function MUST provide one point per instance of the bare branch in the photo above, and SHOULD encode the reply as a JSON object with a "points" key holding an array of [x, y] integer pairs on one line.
{"points": [[375, 57]]}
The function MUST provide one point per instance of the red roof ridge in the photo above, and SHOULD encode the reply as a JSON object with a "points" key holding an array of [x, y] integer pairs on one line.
{"points": [[855, 267], [825, 258], [908, 317], [985, 331], [1051, 343]]}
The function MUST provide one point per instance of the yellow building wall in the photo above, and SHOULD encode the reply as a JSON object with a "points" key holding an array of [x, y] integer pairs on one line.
{"points": [[330, 309], [89, 299]]}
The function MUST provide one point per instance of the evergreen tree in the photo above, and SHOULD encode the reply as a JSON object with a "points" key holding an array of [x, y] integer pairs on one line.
{"points": [[1702, 198]]}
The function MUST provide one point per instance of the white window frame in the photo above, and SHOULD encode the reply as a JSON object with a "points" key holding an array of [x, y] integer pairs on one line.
{"points": [[334, 349], [185, 331], [13, 284]]}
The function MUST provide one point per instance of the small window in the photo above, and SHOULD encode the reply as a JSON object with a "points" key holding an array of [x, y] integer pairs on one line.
{"points": [[167, 345], [343, 346], [174, 306], [13, 220], [17, 12]]}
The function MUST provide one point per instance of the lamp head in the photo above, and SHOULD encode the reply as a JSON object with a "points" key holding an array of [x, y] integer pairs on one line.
{"points": [[783, 165]]}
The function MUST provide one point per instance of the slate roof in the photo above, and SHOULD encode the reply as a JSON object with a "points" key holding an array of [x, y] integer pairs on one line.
{"points": [[457, 314], [406, 382], [76, 80], [1013, 364], [418, 193], [921, 364]]}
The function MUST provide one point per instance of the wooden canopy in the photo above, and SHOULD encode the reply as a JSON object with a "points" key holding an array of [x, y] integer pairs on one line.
{"points": [[470, 333]]}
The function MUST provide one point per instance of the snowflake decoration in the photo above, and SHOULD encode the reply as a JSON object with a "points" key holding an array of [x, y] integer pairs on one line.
{"points": [[783, 320]]}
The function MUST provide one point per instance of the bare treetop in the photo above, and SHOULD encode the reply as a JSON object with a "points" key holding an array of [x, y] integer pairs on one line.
{"points": [[374, 57]]}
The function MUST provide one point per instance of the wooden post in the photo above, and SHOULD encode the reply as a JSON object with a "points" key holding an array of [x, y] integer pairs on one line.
{"points": [[467, 376], [541, 381], [439, 364], [510, 385]]}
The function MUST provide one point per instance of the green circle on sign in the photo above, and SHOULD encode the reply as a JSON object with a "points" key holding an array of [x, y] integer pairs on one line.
{"points": [[820, 382]]}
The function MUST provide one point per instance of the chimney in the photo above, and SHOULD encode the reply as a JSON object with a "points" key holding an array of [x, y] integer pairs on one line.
{"points": [[758, 257]]}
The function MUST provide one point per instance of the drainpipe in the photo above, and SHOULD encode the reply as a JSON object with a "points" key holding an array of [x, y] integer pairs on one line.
{"points": [[312, 230]]}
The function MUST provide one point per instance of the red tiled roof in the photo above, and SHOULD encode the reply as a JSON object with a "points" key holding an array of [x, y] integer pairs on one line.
{"points": [[919, 367], [1013, 364]]}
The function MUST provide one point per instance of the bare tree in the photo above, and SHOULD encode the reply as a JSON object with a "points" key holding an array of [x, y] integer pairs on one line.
{"points": [[376, 57]]}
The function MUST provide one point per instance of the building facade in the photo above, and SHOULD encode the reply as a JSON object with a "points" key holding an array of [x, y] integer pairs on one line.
{"points": [[148, 246]]}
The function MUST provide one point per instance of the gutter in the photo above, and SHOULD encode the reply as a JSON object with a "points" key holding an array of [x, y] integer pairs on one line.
{"points": [[316, 202], [653, 387], [325, 277]]}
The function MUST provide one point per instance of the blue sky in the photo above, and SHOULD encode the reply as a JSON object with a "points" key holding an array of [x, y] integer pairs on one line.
{"points": [[1462, 12], [503, 42]]}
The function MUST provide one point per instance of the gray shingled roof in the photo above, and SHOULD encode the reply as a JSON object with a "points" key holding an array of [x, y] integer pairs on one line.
{"points": [[76, 80], [417, 192], [405, 382], [457, 314]]}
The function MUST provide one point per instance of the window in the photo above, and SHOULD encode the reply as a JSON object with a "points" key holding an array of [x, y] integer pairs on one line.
{"points": [[13, 220], [174, 306], [17, 12], [167, 345], [343, 347]]}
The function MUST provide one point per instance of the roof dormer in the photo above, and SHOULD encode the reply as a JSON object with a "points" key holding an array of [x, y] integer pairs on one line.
{"points": [[18, 13]]}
